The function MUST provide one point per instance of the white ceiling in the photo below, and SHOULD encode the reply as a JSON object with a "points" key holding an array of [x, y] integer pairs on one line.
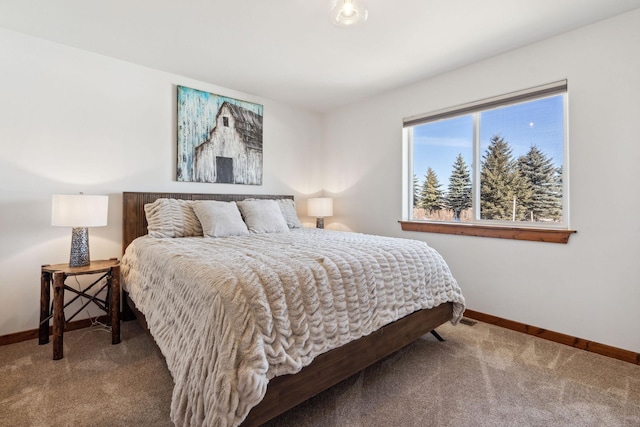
{"points": [[288, 50]]}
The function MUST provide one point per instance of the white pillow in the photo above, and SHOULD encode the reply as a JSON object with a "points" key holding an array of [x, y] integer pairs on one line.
{"points": [[263, 216], [288, 208], [220, 219], [172, 218]]}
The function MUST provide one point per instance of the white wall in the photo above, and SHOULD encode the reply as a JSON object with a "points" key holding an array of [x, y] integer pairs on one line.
{"points": [[73, 121], [589, 288]]}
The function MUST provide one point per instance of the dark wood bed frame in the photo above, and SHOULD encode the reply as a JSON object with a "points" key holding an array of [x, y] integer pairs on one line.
{"points": [[328, 369]]}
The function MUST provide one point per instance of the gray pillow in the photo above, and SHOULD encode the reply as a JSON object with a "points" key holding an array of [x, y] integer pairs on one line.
{"points": [[172, 218], [263, 216], [288, 208], [220, 219]]}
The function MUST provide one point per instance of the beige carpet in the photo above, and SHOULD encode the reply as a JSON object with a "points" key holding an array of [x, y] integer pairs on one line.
{"points": [[481, 376]]}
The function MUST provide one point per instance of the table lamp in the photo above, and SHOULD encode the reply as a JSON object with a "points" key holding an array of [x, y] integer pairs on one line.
{"points": [[320, 207], [79, 212]]}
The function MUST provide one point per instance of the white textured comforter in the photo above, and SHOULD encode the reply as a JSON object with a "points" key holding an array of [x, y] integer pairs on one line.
{"points": [[231, 313]]}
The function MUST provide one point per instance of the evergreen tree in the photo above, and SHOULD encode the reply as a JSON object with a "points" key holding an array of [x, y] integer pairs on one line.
{"points": [[501, 186], [544, 182], [431, 194], [459, 191], [559, 175], [416, 191]]}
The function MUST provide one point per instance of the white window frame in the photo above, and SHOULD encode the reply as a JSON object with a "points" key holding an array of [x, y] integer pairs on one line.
{"points": [[475, 108]]}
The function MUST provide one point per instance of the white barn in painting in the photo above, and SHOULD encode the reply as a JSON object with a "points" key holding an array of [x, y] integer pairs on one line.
{"points": [[233, 152]]}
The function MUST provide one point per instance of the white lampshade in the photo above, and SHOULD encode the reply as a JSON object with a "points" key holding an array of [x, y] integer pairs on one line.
{"points": [[79, 210], [320, 207]]}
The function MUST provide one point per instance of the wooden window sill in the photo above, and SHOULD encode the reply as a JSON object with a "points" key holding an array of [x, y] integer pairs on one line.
{"points": [[500, 232]]}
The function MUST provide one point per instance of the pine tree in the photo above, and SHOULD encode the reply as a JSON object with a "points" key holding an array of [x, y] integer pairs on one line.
{"points": [[559, 175], [544, 182], [431, 194], [459, 191], [501, 186], [416, 191]]}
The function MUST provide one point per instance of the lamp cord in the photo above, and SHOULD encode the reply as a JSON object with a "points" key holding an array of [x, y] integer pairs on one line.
{"points": [[94, 321]]}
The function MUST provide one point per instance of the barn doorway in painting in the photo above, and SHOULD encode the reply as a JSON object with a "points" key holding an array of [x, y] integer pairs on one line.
{"points": [[224, 169]]}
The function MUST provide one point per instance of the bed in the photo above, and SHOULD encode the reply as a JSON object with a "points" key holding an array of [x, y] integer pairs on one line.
{"points": [[315, 369]]}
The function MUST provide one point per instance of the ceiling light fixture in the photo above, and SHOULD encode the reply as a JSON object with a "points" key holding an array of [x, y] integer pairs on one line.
{"points": [[348, 13]]}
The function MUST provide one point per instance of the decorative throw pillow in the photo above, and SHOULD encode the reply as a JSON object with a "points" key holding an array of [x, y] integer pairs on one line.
{"points": [[172, 218], [220, 219], [262, 216], [288, 208]]}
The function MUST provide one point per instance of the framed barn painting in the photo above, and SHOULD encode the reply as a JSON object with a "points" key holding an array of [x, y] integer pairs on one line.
{"points": [[219, 139]]}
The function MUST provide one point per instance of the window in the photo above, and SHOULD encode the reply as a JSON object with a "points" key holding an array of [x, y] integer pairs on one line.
{"points": [[497, 162], [225, 121]]}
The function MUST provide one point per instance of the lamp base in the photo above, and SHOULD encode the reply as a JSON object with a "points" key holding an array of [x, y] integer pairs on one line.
{"points": [[79, 247], [319, 222]]}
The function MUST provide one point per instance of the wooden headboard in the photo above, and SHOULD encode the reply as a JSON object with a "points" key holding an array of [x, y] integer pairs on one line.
{"points": [[134, 222]]}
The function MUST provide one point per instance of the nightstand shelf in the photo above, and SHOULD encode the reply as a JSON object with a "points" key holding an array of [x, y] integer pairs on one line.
{"points": [[54, 276]]}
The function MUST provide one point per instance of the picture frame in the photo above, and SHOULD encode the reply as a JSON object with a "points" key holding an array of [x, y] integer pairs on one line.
{"points": [[219, 139]]}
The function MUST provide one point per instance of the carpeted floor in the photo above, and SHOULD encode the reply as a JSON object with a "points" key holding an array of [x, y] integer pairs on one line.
{"points": [[481, 376]]}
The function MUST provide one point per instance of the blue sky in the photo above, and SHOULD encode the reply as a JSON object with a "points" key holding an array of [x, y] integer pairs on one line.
{"points": [[538, 122]]}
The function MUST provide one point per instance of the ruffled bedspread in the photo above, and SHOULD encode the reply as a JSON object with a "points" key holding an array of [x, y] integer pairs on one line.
{"points": [[231, 313]]}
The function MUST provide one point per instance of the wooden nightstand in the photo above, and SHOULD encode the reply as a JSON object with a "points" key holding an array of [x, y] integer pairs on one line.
{"points": [[55, 276]]}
